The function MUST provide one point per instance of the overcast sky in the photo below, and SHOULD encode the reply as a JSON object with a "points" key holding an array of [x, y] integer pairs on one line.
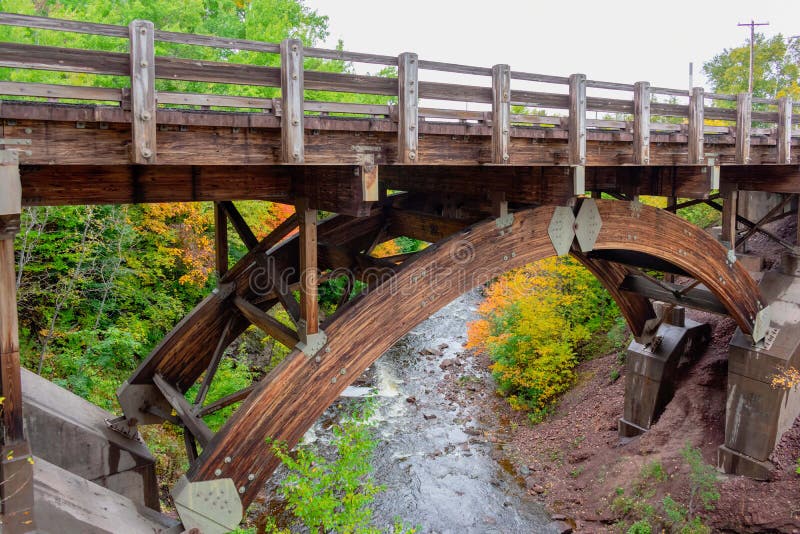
{"points": [[620, 41]]}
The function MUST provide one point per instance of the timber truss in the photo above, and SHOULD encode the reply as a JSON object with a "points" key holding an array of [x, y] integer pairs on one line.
{"points": [[613, 239]]}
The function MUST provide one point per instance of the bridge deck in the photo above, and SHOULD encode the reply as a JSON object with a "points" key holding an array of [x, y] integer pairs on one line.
{"points": [[80, 143]]}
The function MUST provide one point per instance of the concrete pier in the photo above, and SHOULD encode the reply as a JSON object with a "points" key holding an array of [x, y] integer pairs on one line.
{"points": [[651, 369]]}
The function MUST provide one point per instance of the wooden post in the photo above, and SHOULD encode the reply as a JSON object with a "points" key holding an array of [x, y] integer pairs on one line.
{"points": [[221, 239], [577, 119], [309, 316], [785, 130], [744, 108], [407, 108], [16, 471], [696, 123], [729, 213], [292, 142], [641, 123], [501, 113], [143, 91]]}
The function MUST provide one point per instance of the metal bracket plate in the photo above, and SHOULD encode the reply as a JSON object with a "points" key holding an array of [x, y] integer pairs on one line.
{"points": [[211, 506], [311, 344], [761, 324], [588, 224], [135, 399], [578, 180], [505, 221], [10, 185], [562, 229]]}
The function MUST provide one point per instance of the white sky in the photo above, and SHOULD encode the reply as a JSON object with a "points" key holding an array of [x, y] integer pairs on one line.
{"points": [[612, 40]]}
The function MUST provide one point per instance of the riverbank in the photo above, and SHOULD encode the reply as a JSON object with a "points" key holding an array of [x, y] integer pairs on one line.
{"points": [[578, 466]]}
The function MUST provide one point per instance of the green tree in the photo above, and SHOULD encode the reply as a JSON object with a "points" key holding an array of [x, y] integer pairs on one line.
{"points": [[776, 68]]}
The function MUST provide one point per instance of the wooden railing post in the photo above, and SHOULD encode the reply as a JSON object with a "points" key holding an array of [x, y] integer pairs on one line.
{"points": [[641, 123], [577, 119], [292, 141], [785, 130], [309, 316], [16, 471], [143, 91], [744, 108], [696, 124], [501, 113], [407, 107]]}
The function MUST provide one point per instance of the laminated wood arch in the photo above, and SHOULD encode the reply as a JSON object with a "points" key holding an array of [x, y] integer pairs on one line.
{"points": [[288, 401]]}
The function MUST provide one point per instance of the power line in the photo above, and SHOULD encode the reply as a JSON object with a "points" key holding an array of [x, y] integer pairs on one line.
{"points": [[752, 25]]}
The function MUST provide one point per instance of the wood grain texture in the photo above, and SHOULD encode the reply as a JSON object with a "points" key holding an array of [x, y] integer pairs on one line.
{"points": [[10, 379], [407, 108], [292, 85], [696, 122], [784, 140], [641, 123], [577, 119], [143, 92], [501, 114], [744, 108], [307, 224], [289, 400]]}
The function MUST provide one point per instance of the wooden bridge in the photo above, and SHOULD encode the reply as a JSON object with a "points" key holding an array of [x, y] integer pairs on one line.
{"points": [[516, 180]]}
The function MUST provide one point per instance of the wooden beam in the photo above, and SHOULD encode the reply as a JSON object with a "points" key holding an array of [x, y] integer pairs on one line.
{"points": [[220, 239], [407, 108], [784, 131], [730, 208], [423, 226], [143, 92], [697, 298], [744, 108], [501, 113], [183, 409], [696, 123], [292, 85], [771, 178], [544, 185], [577, 119], [10, 380], [309, 310], [269, 325], [242, 228], [641, 123]]}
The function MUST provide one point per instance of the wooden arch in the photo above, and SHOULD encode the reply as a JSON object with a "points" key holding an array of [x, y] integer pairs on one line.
{"points": [[288, 401]]}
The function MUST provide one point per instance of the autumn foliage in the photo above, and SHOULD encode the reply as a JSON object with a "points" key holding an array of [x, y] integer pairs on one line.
{"points": [[535, 324]]}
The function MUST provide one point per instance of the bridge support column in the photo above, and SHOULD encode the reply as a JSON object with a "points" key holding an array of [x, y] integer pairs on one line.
{"points": [[16, 463], [651, 369], [758, 410]]}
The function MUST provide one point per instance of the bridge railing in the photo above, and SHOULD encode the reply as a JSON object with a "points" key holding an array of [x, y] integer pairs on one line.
{"points": [[644, 110]]}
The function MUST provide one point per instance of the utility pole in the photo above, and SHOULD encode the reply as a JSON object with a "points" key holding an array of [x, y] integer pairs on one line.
{"points": [[752, 25]]}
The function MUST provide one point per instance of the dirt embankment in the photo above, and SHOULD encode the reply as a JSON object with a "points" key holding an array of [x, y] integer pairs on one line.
{"points": [[577, 464]]}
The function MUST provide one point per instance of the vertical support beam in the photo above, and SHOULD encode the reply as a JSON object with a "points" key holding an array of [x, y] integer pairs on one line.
{"points": [[577, 119], [744, 108], [696, 123], [292, 142], [408, 108], [220, 239], [784, 131], [501, 113], [16, 471], [730, 210], [641, 123], [309, 316], [143, 91]]}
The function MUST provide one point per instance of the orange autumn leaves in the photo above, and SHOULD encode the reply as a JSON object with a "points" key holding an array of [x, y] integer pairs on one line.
{"points": [[185, 233], [533, 324]]}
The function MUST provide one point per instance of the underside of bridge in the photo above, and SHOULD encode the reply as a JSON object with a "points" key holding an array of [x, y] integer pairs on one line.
{"points": [[488, 191]]}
